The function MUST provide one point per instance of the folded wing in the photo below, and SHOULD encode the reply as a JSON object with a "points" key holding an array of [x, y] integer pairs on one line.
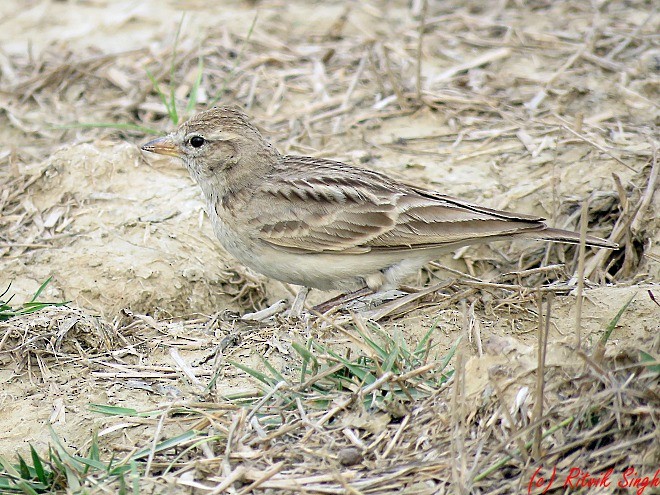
{"points": [[325, 206]]}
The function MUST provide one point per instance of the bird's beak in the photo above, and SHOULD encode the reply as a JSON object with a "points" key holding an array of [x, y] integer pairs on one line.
{"points": [[163, 146]]}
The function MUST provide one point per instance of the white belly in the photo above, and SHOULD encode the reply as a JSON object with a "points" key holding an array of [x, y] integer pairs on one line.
{"points": [[325, 271]]}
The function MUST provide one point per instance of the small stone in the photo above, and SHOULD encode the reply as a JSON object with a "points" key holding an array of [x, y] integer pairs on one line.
{"points": [[349, 456]]}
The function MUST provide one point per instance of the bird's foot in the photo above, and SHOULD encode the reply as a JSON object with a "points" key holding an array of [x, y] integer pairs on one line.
{"points": [[374, 300], [296, 311], [341, 300]]}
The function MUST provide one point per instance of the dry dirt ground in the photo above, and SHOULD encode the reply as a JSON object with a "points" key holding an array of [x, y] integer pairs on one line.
{"points": [[535, 106]]}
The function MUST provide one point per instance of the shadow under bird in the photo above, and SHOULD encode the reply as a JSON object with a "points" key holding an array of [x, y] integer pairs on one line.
{"points": [[325, 224]]}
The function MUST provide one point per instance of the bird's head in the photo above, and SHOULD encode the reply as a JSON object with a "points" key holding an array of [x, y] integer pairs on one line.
{"points": [[214, 141]]}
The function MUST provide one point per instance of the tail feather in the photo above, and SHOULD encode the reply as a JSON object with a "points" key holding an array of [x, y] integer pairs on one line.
{"points": [[559, 235]]}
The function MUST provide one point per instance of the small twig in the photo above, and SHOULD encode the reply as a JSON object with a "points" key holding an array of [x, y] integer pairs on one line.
{"points": [[531, 271], [351, 88], [233, 476], [396, 436], [458, 431], [401, 98], [473, 326], [626, 41], [264, 477], [376, 385], [154, 443], [502, 462], [627, 220], [580, 281], [567, 65], [522, 447], [355, 81], [647, 197], [265, 399], [483, 59], [388, 308], [420, 39], [543, 332], [594, 144], [186, 369]]}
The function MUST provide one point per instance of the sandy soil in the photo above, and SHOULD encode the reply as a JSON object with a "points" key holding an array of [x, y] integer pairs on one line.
{"points": [[126, 240]]}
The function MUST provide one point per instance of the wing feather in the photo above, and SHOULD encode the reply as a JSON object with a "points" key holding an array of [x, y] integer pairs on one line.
{"points": [[324, 206]]}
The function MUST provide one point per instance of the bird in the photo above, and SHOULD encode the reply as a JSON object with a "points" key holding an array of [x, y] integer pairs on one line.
{"points": [[324, 224]]}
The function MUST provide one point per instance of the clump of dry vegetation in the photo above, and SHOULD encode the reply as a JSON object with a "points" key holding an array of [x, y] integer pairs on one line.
{"points": [[531, 357]]}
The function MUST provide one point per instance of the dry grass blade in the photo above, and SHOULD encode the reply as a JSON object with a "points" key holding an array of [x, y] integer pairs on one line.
{"points": [[580, 274], [543, 333]]}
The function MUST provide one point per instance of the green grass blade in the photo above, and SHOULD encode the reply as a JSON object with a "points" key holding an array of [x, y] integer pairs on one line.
{"points": [[41, 289], [135, 476], [24, 469], [192, 100], [66, 463], [391, 359], [38, 466], [650, 362], [307, 358], [55, 459], [614, 322], [6, 486], [380, 351], [445, 360], [118, 470], [122, 489], [363, 375], [254, 373], [212, 381], [7, 466], [160, 93], [29, 308], [26, 488], [94, 452], [175, 47], [113, 410], [276, 374], [63, 454], [420, 349], [122, 411], [304, 351], [7, 312], [167, 444], [91, 463], [174, 116]]}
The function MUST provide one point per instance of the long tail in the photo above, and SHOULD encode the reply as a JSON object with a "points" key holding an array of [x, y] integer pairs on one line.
{"points": [[559, 235]]}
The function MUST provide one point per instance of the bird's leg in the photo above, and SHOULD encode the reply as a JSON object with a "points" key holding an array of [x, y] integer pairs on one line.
{"points": [[299, 303], [342, 299]]}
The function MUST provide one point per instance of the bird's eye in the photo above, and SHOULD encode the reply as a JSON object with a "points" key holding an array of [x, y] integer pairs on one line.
{"points": [[197, 141]]}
